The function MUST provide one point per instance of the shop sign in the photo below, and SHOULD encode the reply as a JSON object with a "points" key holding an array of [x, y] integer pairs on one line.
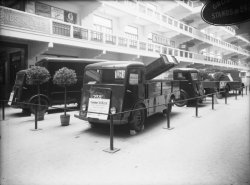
{"points": [[70, 17], [43, 9], [57, 13], [226, 12], [99, 103], [26, 21]]}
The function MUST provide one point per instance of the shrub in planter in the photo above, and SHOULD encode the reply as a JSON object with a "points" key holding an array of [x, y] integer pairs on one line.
{"points": [[65, 77], [37, 75]]}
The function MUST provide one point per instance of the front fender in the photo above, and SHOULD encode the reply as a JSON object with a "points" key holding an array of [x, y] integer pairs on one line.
{"points": [[41, 96]]}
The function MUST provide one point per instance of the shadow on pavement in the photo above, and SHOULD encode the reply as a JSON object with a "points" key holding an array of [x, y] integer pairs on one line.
{"points": [[122, 131]]}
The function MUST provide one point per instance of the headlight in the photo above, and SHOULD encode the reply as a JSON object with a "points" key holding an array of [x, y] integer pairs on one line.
{"points": [[84, 107], [113, 110]]}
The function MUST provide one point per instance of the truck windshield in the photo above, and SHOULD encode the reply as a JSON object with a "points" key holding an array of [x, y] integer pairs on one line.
{"points": [[19, 79], [104, 76]]}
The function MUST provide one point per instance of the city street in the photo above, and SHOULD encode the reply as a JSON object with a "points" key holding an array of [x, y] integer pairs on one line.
{"points": [[212, 149]]}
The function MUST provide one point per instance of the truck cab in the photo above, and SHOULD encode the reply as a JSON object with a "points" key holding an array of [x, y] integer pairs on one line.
{"points": [[190, 83], [125, 79], [125, 84]]}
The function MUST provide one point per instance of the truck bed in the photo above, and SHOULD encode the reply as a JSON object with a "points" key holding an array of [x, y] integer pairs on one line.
{"points": [[161, 87], [210, 84]]}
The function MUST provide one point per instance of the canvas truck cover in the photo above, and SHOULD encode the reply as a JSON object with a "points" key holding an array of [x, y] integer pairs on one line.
{"points": [[160, 65]]}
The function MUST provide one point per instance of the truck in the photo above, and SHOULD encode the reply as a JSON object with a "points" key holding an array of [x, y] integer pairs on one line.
{"points": [[190, 84], [51, 94], [221, 82], [128, 90]]}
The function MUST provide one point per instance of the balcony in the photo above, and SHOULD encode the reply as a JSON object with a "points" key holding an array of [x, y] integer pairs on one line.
{"points": [[141, 10], [59, 32]]}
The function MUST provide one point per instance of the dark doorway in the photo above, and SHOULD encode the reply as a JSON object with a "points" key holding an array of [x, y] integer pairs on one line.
{"points": [[13, 57]]}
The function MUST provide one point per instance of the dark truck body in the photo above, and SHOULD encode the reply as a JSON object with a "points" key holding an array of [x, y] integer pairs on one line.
{"points": [[222, 85], [190, 84], [130, 90], [51, 94]]}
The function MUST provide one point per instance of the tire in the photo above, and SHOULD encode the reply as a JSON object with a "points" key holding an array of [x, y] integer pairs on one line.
{"points": [[137, 119], [43, 102], [182, 101], [219, 95], [26, 111]]}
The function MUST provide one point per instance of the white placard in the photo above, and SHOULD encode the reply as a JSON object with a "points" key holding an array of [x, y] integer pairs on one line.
{"points": [[11, 98], [98, 105], [133, 79]]}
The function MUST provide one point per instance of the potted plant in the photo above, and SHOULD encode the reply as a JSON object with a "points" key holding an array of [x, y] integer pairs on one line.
{"points": [[65, 77], [37, 75]]}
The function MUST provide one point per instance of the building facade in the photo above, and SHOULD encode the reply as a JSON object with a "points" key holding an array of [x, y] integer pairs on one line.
{"points": [[114, 30]]}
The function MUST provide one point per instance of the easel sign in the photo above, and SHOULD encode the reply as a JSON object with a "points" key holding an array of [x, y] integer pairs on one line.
{"points": [[99, 103]]}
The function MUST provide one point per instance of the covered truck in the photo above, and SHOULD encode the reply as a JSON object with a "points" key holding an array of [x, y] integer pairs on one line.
{"points": [[124, 86], [222, 82]]}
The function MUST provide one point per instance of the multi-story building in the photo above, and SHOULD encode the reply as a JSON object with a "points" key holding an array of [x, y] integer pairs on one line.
{"points": [[115, 30]]}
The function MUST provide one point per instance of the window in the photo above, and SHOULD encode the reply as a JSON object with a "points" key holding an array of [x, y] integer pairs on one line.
{"points": [[105, 76], [131, 32], [102, 24], [152, 6]]}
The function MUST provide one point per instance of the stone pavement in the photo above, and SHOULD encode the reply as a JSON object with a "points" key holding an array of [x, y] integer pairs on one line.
{"points": [[212, 149]]}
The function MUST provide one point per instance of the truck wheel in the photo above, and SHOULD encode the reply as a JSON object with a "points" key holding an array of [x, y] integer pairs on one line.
{"points": [[43, 102], [26, 111], [219, 95], [182, 101], [137, 119]]}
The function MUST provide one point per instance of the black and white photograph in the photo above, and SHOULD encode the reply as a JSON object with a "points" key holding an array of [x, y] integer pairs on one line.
{"points": [[124, 92]]}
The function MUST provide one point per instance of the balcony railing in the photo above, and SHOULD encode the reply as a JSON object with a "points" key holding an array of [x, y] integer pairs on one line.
{"points": [[73, 31], [174, 24], [193, 4]]}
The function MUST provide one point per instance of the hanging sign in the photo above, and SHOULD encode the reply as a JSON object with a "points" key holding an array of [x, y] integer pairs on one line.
{"points": [[70, 17], [226, 12]]}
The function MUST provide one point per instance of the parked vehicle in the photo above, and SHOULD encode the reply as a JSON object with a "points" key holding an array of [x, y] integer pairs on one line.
{"points": [[190, 84], [129, 86], [51, 94], [222, 82]]}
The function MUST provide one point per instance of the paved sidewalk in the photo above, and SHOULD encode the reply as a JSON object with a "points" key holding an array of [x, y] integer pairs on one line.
{"points": [[210, 150]]}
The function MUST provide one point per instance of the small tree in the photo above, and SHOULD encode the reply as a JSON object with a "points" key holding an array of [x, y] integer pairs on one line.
{"points": [[37, 75], [65, 77]]}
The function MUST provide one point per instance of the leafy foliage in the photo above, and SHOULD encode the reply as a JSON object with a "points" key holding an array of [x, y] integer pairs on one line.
{"points": [[37, 75], [65, 77]]}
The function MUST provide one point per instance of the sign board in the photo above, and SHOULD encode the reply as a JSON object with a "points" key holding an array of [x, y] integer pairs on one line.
{"points": [[99, 103], [226, 12], [43, 9], [70, 17], [57, 13], [133, 79], [22, 20]]}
